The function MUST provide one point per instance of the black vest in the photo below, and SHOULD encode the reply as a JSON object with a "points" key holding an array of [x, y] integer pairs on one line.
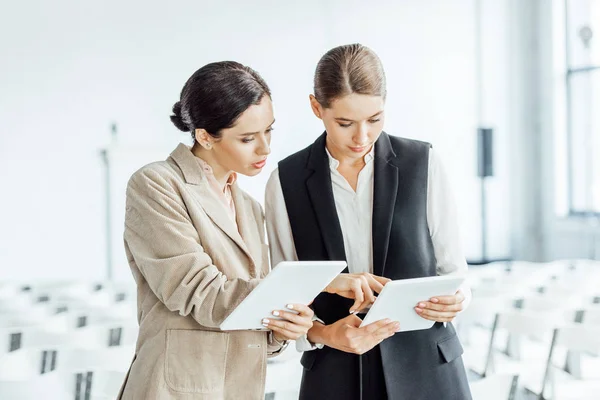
{"points": [[402, 248], [402, 245]]}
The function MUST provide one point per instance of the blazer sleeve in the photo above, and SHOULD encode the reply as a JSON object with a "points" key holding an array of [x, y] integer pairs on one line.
{"points": [[166, 248]]}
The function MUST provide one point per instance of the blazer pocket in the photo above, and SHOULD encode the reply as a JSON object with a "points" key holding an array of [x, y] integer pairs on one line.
{"points": [[450, 348], [195, 360]]}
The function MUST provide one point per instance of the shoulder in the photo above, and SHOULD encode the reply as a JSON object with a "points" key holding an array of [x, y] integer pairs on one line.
{"points": [[160, 174], [401, 143], [299, 158], [274, 183], [403, 151]]}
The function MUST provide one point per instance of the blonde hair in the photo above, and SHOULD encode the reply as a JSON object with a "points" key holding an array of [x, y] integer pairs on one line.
{"points": [[348, 69]]}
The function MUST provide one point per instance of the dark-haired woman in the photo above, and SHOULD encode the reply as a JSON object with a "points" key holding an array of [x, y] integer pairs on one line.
{"points": [[383, 204], [195, 243]]}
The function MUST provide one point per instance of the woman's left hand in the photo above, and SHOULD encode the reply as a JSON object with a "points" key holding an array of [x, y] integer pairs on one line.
{"points": [[441, 308], [291, 326]]}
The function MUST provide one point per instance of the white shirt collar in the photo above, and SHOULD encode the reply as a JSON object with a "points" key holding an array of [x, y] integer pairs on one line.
{"points": [[334, 164]]}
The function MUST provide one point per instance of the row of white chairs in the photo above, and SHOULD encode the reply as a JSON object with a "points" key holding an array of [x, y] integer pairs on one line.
{"points": [[73, 340], [45, 324], [518, 331], [65, 340], [67, 373]]}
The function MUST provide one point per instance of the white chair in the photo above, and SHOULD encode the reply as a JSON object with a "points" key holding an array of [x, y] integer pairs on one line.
{"points": [[474, 326], [532, 329], [591, 315], [560, 386], [92, 385], [99, 371], [32, 314], [23, 364], [49, 387], [495, 387], [585, 365], [72, 359], [64, 372], [91, 337], [78, 316]]}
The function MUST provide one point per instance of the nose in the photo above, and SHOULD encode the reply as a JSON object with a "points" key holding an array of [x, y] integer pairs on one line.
{"points": [[264, 148], [361, 137]]}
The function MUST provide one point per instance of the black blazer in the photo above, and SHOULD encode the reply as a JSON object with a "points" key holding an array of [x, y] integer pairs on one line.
{"points": [[419, 365]]}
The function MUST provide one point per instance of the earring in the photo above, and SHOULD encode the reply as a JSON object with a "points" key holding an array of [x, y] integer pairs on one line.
{"points": [[208, 145]]}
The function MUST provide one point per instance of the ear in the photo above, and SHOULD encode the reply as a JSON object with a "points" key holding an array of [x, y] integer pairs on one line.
{"points": [[316, 106], [203, 138]]}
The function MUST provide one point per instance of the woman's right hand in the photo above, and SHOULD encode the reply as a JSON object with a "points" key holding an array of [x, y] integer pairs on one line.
{"points": [[347, 335], [359, 287]]}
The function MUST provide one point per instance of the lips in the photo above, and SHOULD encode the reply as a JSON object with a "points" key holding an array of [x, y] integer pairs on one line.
{"points": [[358, 149], [260, 164]]}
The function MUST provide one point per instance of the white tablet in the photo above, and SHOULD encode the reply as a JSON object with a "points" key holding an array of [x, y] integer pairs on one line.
{"points": [[289, 282], [398, 299]]}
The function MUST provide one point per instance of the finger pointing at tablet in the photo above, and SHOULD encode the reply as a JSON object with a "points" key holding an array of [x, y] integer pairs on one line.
{"points": [[360, 287]]}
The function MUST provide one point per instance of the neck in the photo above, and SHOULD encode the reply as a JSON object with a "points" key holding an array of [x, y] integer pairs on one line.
{"points": [[348, 162], [221, 174]]}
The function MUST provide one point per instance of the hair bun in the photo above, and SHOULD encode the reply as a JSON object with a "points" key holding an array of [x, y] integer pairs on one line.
{"points": [[176, 118]]}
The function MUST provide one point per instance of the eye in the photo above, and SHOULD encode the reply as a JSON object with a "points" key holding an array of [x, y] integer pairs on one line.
{"points": [[268, 131], [345, 125], [247, 139], [374, 120]]}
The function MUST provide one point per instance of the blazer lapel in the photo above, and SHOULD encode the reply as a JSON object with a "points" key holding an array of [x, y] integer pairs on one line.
{"points": [[321, 195], [384, 198], [193, 175], [247, 228]]}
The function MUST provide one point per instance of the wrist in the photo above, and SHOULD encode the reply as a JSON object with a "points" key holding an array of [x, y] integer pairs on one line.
{"points": [[318, 333], [280, 339], [280, 343]]}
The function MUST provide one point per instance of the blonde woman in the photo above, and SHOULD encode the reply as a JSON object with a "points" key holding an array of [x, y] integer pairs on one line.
{"points": [[383, 204]]}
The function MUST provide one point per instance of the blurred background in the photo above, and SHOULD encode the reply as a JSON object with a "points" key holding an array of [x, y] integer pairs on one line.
{"points": [[507, 91]]}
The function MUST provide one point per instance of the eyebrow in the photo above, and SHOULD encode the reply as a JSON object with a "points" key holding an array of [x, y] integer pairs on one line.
{"points": [[351, 120], [255, 133]]}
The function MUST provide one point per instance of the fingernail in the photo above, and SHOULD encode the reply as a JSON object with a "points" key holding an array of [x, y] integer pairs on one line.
{"points": [[417, 309], [276, 313], [290, 306], [422, 305], [352, 311], [434, 300], [265, 322], [387, 321]]}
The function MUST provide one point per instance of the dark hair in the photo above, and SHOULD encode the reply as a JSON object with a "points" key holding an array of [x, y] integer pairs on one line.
{"points": [[216, 95], [348, 69]]}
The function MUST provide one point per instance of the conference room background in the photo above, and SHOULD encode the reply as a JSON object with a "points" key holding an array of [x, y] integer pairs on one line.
{"points": [[507, 91]]}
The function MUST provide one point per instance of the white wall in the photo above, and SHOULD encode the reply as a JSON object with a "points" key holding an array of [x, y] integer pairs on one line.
{"points": [[71, 68]]}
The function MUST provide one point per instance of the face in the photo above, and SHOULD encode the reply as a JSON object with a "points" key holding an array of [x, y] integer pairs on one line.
{"points": [[353, 124], [244, 147]]}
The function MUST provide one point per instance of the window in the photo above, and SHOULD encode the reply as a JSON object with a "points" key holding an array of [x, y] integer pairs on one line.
{"points": [[582, 53]]}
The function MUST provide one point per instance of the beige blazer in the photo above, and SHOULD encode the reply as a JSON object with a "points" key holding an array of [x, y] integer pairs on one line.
{"points": [[192, 266]]}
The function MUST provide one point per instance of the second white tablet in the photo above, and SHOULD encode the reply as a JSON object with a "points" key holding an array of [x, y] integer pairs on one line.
{"points": [[398, 299], [289, 282]]}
